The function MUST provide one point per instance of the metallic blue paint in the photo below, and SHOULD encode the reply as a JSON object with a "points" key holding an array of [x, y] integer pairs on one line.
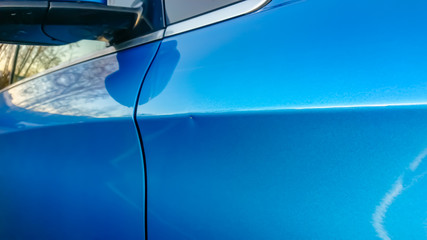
{"points": [[300, 121], [71, 163], [91, 1], [304, 120]]}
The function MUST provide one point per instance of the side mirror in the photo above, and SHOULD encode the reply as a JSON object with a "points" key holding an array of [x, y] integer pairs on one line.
{"points": [[65, 21]]}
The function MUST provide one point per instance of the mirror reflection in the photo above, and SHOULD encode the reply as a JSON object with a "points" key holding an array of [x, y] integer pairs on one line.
{"points": [[32, 60], [7, 56], [18, 62]]}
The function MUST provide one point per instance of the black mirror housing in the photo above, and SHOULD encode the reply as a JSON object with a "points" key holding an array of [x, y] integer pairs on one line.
{"points": [[57, 23]]}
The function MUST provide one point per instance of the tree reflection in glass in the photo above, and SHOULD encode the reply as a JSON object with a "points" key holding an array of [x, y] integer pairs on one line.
{"points": [[7, 53], [36, 59]]}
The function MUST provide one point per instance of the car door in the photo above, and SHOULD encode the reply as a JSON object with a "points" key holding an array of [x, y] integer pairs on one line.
{"points": [[71, 162], [301, 120]]}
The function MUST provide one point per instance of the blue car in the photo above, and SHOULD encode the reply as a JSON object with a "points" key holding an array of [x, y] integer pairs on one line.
{"points": [[201, 119]]}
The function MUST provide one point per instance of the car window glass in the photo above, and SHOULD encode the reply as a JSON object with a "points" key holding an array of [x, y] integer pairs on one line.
{"points": [[23, 61], [32, 60], [7, 56], [183, 9], [125, 3]]}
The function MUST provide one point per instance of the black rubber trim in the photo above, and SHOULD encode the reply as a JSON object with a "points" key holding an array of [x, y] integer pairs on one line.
{"points": [[138, 128]]}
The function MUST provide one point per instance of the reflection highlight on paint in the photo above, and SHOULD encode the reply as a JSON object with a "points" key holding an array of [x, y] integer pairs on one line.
{"points": [[397, 189], [381, 209]]}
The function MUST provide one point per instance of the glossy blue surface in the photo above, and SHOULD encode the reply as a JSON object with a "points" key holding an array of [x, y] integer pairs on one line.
{"points": [[304, 120], [71, 164], [92, 1], [301, 121]]}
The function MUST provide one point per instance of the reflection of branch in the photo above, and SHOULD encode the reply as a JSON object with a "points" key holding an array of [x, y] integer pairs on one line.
{"points": [[51, 59], [6, 56], [1, 48], [6, 66], [34, 58], [27, 54]]}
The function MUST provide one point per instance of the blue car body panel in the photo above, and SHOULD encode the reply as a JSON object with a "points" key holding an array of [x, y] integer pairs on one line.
{"points": [[304, 120], [71, 163], [89, 1]]}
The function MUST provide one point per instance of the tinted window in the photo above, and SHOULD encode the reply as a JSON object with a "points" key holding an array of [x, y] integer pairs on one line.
{"points": [[36, 59], [125, 3], [183, 9], [152, 13]]}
